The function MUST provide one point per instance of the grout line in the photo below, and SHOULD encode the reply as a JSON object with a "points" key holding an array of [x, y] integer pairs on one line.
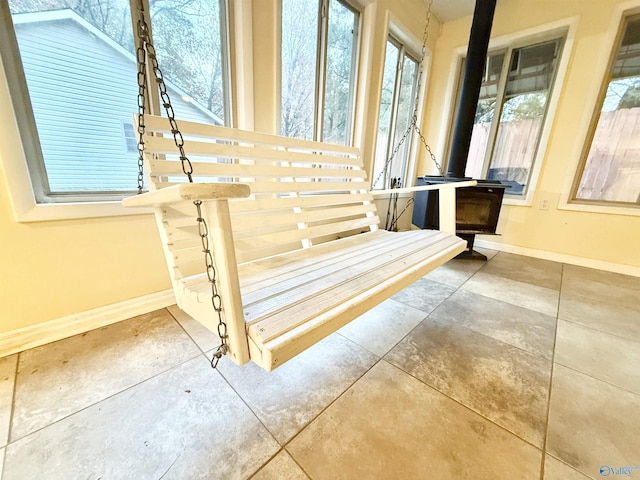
{"points": [[129, 387], [606, 382], [553, 356], [571, 467], [185, 331], [262, 467], [589, 327], [304, 427], [298, 464], [13, 400], [11, 413], [466, 407], [242, 399]]}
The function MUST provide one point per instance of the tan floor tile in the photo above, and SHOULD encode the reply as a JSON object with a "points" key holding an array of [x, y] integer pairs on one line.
{"points": [[556, 470], [607, 317], [501, 382], [526, 329], [606, 357], [289, 397], [601, 277], [7, 383], [604, 287], [281, 467], [381, 328], [1, 461], [201, 335], [535, 271], [60, 378], [455, 272], [392, 426], [489, 253], [185, 423], [592, 423], [424, 295], [533, 297]]}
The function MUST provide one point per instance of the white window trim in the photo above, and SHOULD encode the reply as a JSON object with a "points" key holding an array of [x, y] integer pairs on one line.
{"points": [[18, 180], [361, 48], [398, 30], [601, 65], [520, 38]]}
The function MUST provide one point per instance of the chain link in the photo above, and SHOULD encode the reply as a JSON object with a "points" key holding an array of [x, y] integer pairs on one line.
{"points": [[216, 299], [147, 50]]}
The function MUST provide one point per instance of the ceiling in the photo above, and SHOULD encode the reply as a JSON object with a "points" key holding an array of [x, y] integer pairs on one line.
{"points": [[447, 10]]}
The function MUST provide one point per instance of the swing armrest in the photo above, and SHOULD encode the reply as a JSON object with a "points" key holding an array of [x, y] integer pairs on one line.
{"points": [[421, 188], [447, 212], [188, 192]]}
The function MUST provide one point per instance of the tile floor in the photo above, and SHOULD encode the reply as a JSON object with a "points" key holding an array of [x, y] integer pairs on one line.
{"points": [[516, 368]]}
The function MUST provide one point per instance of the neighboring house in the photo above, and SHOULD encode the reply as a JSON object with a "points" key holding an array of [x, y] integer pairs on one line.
{"points": [[83, 91]]}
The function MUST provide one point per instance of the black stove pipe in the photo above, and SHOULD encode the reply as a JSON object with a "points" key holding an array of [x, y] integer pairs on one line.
{"points": [[470, 91]]}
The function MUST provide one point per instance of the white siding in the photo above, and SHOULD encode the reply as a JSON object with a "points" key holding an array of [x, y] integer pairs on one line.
{"points": [[82, 90]]}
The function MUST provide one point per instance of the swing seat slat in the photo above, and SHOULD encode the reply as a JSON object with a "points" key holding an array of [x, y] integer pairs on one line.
{"points": [[295, 236]]}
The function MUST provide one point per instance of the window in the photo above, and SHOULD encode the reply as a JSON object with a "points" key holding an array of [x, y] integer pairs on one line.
{"points": [[514, 98], [397, 104], [130, 137], [319, 47], [610, 169], [75, 90]]}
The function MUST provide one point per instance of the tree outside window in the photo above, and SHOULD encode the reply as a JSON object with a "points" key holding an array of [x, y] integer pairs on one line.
{"points": [[397, 103], [78, 83], [510, 114], [319, 46], [610, 171]]}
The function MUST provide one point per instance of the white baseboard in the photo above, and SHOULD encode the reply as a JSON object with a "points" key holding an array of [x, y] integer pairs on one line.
{"points": [[561, 257], [15, 341]]}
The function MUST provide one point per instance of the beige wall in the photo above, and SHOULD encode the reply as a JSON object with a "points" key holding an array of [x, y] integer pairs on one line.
{"points": [[54, 269], [595, 236]]}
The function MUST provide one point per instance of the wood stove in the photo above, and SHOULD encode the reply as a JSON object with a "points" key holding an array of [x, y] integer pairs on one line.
{"points": [[477, 210], [477, 207]]}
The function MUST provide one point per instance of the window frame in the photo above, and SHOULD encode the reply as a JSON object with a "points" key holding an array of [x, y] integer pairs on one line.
{"points": [[321, 69], [404, 50], [611, 47], [566, 28], [26, 179]]}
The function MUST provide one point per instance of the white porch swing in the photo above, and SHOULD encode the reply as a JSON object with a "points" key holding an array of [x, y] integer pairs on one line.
{"points": [[271, 241]]}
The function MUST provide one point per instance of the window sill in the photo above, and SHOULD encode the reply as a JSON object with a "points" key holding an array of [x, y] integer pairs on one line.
{"points": [[606, 209], [69, 211], [518, 202]]}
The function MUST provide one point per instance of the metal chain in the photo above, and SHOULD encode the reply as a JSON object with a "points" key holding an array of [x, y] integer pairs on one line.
{"points": [[147, 50], [410, 202], [142, 95], [413, 126], [216, 300]]}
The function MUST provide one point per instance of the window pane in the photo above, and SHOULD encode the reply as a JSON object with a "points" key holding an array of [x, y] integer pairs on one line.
{"points": [[189, 45], [81, 75], [612, 169], [380, 175], [528, 86], [396, 113], [484, 115], [406, 96], [338, 100], [299, 53]]}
